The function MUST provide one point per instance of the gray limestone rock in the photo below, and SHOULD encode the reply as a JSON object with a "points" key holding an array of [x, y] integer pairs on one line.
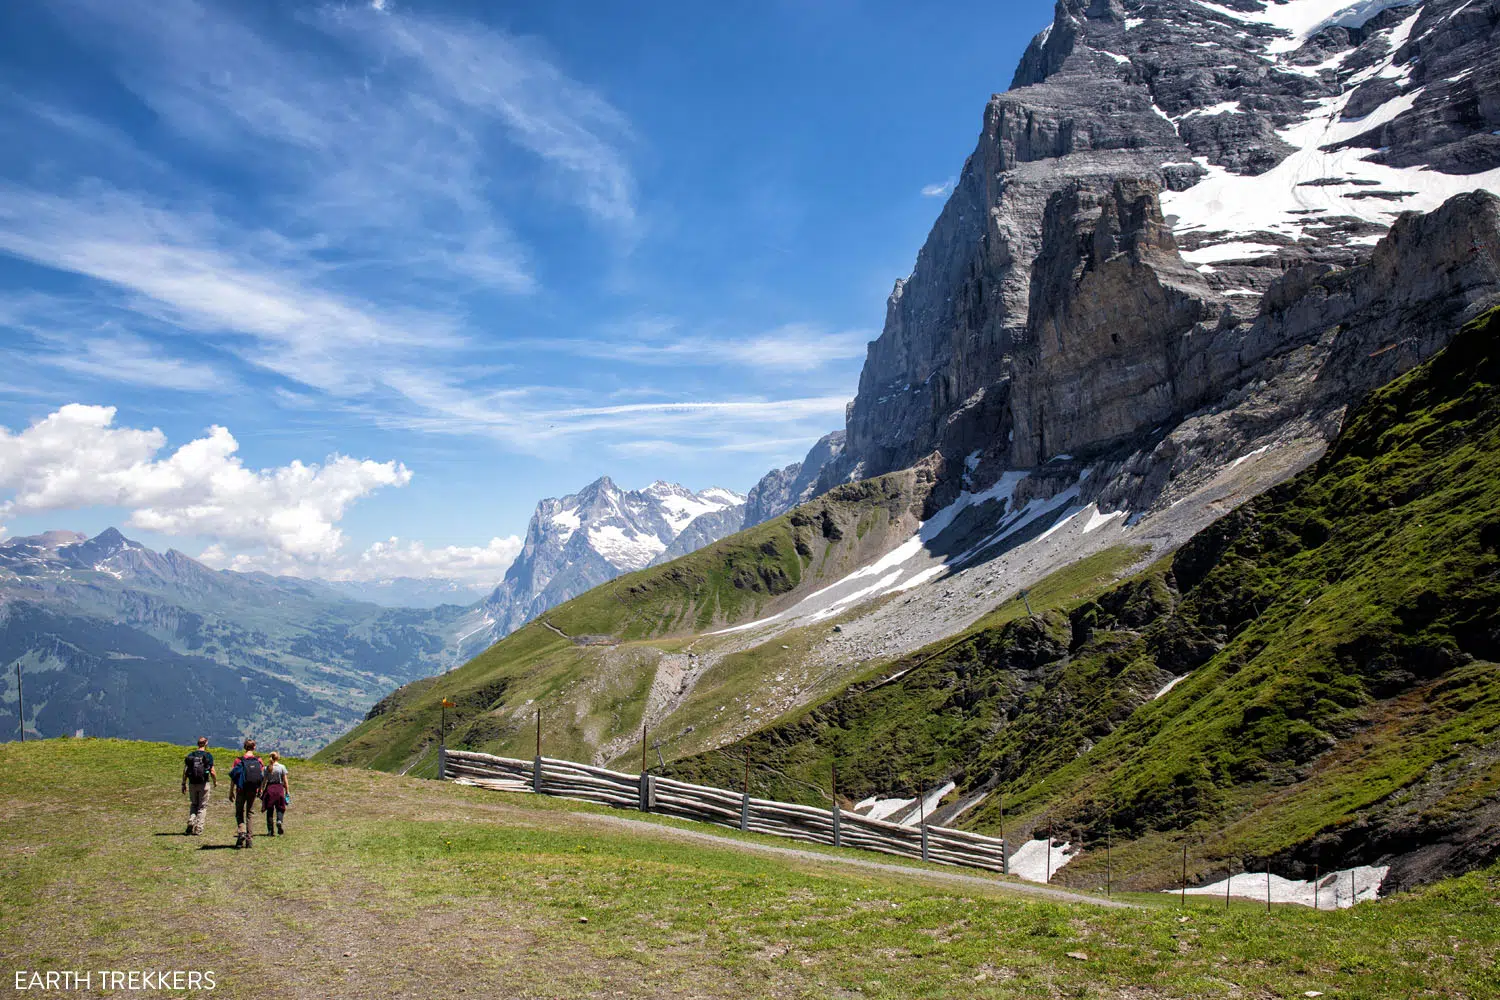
{"points": [[1057, 308]]}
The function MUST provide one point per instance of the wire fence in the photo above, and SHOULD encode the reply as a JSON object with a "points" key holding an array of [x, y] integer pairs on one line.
{"points": [[739, 810]]}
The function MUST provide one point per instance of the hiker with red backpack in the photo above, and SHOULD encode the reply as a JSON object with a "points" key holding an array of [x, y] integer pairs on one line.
{"points": [[275, 796], [198, 775], [246, 780]]}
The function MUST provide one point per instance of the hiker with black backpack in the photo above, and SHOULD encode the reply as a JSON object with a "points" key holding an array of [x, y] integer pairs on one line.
{"points": [[246, 779], [198, 776]]}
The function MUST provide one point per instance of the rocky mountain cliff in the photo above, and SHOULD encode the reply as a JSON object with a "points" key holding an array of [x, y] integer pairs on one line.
{"points": [[782, 489], [1171, 215], [115, 639], [576, 542]]}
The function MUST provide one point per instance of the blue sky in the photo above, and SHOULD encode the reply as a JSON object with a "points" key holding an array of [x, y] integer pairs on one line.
{"points": [[283, 282]]}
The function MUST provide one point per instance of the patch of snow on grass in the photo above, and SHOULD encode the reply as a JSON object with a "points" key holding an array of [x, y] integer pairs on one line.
{"points": [[1335, 891], [1029, 861], [882, 808], [928, 805], [1169, 686]]}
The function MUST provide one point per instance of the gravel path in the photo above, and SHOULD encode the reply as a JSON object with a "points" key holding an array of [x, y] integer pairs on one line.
{"points": [[1041, 892]]}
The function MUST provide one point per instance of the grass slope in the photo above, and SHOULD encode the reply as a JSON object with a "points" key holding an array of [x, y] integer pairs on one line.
{"points": [[1337, 641], [596, 693], [392, 887]]}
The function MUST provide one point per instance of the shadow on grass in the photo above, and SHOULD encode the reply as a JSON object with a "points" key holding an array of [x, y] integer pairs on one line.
{"points": [[216, 847], [173, 833]]}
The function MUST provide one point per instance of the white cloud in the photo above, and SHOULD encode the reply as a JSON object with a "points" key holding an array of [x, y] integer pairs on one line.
{"points": [[473, 566], [542, 419], [76, 457], [132, 360], [795, 347], [938, 190], [184, 270]]}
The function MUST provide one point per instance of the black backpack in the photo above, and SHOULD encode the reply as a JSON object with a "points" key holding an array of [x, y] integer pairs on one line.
{"points": [[252, 773], [197, 767]]}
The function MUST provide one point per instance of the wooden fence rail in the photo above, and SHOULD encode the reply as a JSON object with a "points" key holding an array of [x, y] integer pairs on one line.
{"points": [[669, 797]]}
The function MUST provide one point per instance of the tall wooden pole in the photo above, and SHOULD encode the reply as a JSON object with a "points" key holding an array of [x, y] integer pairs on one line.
{"points": [[539, 732], [1268, 885], [643, 747], [1184, 873], [1315, 887], [20, 703], [747, 770]]}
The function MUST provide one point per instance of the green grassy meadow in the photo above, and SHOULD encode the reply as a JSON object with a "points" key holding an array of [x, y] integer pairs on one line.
{"points": [[398, 887]]}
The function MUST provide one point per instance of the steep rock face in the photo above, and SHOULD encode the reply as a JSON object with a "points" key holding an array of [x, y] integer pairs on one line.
{"points": [[1155, 169], [1110, 303], [576, 542], [782, 489]]}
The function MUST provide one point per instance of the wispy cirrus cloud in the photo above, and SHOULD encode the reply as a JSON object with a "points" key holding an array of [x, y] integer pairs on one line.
{"points": [[942, 190], [794, 347]]}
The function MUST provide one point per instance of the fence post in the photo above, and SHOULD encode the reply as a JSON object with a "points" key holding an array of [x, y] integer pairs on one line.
{"points": [[1047, 872], [443, 704], [745, 796], [838, 840], [1353, 892], [646, 789], [1184, 874], [1109, 835], [1004, 844], [1315, 887], [922, 813], [1268, 885], [536, 765]]}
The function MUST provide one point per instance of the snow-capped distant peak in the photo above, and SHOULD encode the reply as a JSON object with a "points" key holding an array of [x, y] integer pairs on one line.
{"points": [[625, 530]]}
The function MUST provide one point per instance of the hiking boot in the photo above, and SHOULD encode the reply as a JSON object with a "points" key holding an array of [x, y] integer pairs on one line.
{"points": [[189, 831], [279, 831]]}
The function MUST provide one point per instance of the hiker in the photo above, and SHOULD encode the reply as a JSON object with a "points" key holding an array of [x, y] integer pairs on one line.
{"points": [[198, 777], [246, 778], [275, 796]]}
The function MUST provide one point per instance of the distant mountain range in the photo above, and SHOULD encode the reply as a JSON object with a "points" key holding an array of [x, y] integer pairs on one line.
{"points": [[576, 542], [115, 639]]}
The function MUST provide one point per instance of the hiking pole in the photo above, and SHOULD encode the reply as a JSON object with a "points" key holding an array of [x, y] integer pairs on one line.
{"points": [[20, 704], [1184, 873]]}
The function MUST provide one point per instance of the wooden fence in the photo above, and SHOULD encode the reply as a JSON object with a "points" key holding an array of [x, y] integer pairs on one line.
{"points": [[652, 793]]}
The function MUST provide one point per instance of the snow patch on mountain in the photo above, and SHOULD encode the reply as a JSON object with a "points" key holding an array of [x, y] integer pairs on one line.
{"points": [[576, 542]]}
